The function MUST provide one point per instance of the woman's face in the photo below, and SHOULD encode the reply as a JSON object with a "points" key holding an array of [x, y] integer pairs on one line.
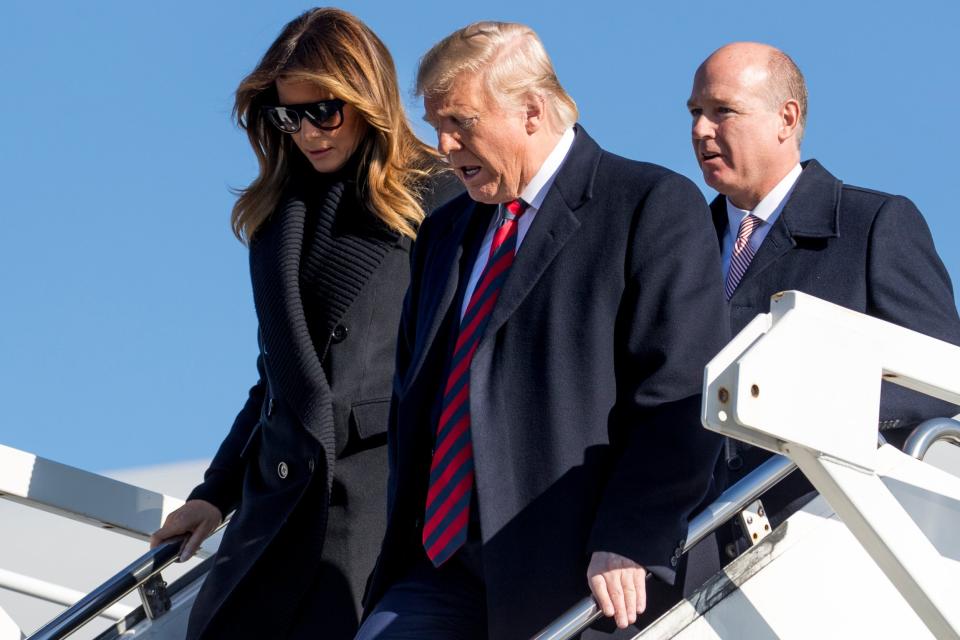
{"points": [[327, 150]]}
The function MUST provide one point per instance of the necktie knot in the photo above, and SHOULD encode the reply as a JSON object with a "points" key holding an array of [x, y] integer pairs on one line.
{"points": [[514, 209], [747, 226]]}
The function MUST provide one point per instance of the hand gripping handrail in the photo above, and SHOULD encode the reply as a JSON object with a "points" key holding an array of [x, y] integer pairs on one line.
{"points": [[135, 574], [930, 431], [727, 505]]}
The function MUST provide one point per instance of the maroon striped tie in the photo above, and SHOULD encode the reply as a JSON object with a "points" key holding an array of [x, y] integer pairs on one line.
{"points": [[742, 254], [451, 472]]}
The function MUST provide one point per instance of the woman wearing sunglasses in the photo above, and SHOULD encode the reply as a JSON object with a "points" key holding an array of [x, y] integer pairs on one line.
{"points": [[342, 188]]}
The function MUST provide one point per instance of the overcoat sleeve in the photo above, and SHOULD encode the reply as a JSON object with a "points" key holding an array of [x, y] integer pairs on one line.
{"points": [[673, 319], [908, 285], [222, 483]]}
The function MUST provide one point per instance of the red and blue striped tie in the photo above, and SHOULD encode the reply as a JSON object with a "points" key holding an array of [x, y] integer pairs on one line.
{"points": [[451, 472]]}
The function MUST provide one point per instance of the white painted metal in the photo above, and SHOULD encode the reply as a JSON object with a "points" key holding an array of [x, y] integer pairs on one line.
{"points": [[804, 380], [8, 628], [886, 531], [819, 360], [54, 593], [809, 579], [81, 495]]}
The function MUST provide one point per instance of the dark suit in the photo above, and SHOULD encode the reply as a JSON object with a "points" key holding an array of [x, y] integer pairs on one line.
{"points": [[584, 390], [305, 462], [868, 251]]}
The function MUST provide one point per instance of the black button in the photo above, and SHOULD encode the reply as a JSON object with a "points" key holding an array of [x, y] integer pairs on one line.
{"points": [[339, 333], [416, 523], [269, 407]]}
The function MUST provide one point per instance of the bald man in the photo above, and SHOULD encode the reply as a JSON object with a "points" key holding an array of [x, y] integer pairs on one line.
{"points": [[783, 224]]}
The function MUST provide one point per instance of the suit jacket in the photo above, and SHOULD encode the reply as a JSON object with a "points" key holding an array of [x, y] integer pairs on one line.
{"points": [[587, 380], [866, 250], [305, 462]]}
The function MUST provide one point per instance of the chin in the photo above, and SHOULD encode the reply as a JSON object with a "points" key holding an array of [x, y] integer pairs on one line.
{"points": [[484, 194], [714, 181], [328, 165]]}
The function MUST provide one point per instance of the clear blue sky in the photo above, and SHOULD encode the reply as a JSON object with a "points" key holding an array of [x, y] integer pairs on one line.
{"points": [[127, 330]]}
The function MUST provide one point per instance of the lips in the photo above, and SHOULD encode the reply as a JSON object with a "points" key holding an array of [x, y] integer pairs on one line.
{"points": [[468, 171], [319, 152]]}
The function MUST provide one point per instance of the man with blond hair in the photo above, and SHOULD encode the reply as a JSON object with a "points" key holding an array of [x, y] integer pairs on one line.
{"points": [[545, 438], [783, 224]]}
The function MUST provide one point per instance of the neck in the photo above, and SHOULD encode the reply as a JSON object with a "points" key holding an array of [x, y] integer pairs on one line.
{"points": [[749, 200], [542, 144]]}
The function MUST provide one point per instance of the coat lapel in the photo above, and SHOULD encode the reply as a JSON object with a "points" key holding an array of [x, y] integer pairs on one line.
{"points": [[556, 222], [338, 260], [293, 363], [441, 276], [811, 212]]}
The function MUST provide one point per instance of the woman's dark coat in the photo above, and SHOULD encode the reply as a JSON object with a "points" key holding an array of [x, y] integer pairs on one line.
{"points": [[328, 283]]}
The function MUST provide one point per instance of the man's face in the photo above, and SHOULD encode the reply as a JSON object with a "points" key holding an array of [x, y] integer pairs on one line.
{"points": [[736, 131], [485, 143]]}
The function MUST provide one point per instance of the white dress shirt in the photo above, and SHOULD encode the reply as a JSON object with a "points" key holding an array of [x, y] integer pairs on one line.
{"points": [[533, 194], [768, 210]]}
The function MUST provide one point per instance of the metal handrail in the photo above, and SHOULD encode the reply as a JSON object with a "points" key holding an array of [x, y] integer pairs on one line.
{"points": [[135, 574], [930, 431], [55, 593], [728, 504]]}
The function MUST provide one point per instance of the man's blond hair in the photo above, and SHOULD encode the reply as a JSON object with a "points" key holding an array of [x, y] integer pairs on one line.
{"points": [[510, 60]]}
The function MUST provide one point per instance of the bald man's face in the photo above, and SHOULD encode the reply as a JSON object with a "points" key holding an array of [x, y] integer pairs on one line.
{"points": [[737, 133]]}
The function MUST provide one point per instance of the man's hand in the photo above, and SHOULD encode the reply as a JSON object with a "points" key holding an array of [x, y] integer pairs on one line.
{"points": [[197, 517], [618, 585]]}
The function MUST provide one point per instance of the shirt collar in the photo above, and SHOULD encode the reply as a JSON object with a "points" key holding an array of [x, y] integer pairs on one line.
{"points": [[536, 191], [769, 208]]}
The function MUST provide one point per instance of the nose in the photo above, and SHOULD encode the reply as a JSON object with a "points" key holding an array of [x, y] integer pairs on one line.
{"points": [[447, 142], [702, 128], [308, 130]]}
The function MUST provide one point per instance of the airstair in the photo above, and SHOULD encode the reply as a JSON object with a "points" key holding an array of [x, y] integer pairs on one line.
{"points": [[876, 555]]}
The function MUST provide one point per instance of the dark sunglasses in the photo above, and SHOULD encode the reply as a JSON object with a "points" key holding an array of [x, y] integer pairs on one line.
{"points": [[326, 115]]}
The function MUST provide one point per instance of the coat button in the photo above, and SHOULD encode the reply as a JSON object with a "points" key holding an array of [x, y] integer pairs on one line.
{"points": [[310, 465], [269, 407], [339, 333], [673, 561], [416, 523], [282, 470]]}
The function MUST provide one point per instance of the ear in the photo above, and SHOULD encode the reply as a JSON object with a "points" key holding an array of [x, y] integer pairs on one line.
{"points": [[535, 111], [789, 120]]}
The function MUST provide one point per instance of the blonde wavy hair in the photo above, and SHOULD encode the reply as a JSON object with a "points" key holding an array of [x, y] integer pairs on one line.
{"points": [[339, 53], [510, 59]]}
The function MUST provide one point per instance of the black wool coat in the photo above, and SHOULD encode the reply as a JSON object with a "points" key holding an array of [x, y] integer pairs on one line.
{"points": [[584, 390], [305, 462], [865, 250]]}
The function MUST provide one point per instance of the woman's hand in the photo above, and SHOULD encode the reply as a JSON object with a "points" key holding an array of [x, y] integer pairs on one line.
{"points": [[196, 517]]}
